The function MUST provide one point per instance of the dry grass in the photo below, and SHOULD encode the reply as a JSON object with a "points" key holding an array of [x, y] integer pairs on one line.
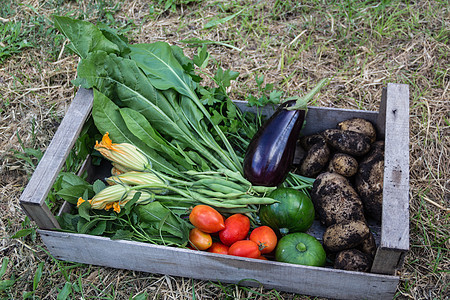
{"points": [[361, 49]]}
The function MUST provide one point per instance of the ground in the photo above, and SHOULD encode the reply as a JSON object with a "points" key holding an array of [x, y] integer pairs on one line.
{"points": [[360, 45]]}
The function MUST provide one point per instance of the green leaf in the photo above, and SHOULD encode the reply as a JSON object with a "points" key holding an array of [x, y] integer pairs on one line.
{"points": [[6, 284], [99, 228], [122, 235], [108, 118], [84, 209], [160, 217], [72, 193], [197, 41], [223, 78], [68, 221], [4, 267], [84, 36], [214, 23], [38, 275], [98, 186], [22, 233], [118, 39], [142, 296], [70, 179], [143, 130], [202, 57], [65, 292], [28, 295], [158, 62]]}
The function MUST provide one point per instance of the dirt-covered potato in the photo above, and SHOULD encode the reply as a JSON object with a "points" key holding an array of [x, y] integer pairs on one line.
{"points": [[368, 246], [307, 141], [343, 164], [349, 142], [315, 160], [345, 235], [369, 180], [353, 260], [335, 200], [359, 125]]}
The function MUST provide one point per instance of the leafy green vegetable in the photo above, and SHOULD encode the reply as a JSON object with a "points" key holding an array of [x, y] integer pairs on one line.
{"points": [[85, 37], [151, 96], [158, 217]]}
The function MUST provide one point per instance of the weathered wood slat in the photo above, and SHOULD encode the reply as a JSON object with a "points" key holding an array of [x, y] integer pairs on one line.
{"points": [[33, 197], [395, 215], [144, 257]]}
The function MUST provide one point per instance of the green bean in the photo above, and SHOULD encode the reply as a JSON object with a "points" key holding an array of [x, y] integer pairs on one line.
{"points": [[214, 202], [220, 182], [253, 200], [235, 175], [220, 194], [263, 189], [237, 210]]}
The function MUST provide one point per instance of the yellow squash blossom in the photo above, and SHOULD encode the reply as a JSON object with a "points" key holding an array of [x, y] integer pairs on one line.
{"points": [[115, 196], [150, 180], [124, 156]]}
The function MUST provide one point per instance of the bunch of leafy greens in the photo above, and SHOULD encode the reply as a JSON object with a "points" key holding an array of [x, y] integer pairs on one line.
{"points": [[151, 96]]}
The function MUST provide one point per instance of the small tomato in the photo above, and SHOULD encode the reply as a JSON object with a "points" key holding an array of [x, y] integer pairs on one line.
{"points": [[245, 248], [237, 227], [219, 248], [265, 237], [206, 218], [199, 240]]}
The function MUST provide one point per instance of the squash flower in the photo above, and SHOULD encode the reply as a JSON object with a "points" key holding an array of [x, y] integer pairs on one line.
{"points": [[124, 156], [149, 179], [115, 196]]}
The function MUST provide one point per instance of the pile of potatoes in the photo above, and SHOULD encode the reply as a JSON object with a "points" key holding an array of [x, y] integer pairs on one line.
{"points": [[348, 164]]}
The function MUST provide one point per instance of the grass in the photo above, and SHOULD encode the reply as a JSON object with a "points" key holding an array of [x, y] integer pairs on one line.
{"points": [[288, 45]]}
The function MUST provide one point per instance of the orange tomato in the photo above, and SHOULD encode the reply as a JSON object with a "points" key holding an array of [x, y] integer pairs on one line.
{"points": [[237, 227], [245, 248], [265, 237], [206, 218], [199, 240], [219, 248]]}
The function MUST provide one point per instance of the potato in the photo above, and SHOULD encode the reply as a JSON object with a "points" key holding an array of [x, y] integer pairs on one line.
{"points": [[335, 200], [359, 125], [306, 142], [349, 142], [343, 164], [369, 180], [345, 235], [369, 246], [315, 160], [353, 260]]}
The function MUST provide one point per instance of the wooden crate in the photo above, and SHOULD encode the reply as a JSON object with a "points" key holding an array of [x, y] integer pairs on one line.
{"points": [[392, 236]]}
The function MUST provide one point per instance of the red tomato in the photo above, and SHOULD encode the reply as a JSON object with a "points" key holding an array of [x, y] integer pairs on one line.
{"points": [[265, 237], [218, 248], [199, 240], [237, 227], [206, 218], [262, 258], [245, 248]]}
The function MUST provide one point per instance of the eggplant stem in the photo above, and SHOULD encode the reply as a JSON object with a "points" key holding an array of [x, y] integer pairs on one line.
{"points": [[302, 103]]}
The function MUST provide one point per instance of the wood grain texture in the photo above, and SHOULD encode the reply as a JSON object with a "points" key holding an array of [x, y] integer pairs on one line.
{"points": [[33, 197], [324, 282], [395, 218], [395, 215]]}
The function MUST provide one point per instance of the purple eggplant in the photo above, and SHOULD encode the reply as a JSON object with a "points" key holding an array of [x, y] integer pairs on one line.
{"points": [[269, 156]]}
